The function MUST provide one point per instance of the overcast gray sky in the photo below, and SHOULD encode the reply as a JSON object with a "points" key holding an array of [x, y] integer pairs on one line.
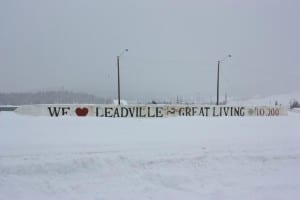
{"points": [[173, 46]]}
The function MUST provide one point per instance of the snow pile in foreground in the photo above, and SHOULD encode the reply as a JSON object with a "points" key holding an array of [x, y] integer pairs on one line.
{"points": [[173, 158]]}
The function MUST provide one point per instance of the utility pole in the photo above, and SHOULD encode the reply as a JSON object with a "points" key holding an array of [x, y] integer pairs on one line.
{"points": [[118, 64], [119, 84], [218, 75]]}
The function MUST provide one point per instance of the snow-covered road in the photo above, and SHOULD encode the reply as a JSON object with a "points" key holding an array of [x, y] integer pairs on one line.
{"points": [[173, 158]]}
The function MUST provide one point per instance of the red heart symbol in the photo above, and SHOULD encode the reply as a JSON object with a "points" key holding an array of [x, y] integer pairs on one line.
{"points": [[81, 112]]}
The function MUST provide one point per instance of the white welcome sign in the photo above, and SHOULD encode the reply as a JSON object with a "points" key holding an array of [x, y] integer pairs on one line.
{"points": [[149, 111]]}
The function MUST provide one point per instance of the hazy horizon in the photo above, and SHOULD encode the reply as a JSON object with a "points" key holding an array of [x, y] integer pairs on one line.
{"points": [[173, 47]]}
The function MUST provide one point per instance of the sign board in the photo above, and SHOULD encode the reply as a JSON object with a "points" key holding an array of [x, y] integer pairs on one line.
{"points": [[149, 111]]}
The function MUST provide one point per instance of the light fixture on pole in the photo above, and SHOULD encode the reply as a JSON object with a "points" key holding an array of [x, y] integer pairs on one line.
{"points": [[218, 75], [118, 65]]}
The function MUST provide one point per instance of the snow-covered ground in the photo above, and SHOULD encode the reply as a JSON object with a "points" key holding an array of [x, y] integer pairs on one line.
{"points": [[172, 158]]}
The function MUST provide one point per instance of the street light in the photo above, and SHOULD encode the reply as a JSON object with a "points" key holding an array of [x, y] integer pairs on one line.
{"points": [[219, 61], [118, 64]]}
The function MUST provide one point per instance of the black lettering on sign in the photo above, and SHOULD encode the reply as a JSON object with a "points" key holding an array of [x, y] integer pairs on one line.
{"points": [[215, 114], [99, 112], [159, 111], [149, 112], [65, 110], [141, 111], [242, 111], [107, 111], [181, 112], [237, 111], [201, 111], [204, 111], [53, 111], [116, 113], [131, 111], [57, 111], [226, 111], [194, 111], [188, 111], [124, 112]]}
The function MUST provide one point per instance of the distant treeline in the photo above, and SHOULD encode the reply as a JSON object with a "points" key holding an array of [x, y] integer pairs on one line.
{"points": [[50, 97]]}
